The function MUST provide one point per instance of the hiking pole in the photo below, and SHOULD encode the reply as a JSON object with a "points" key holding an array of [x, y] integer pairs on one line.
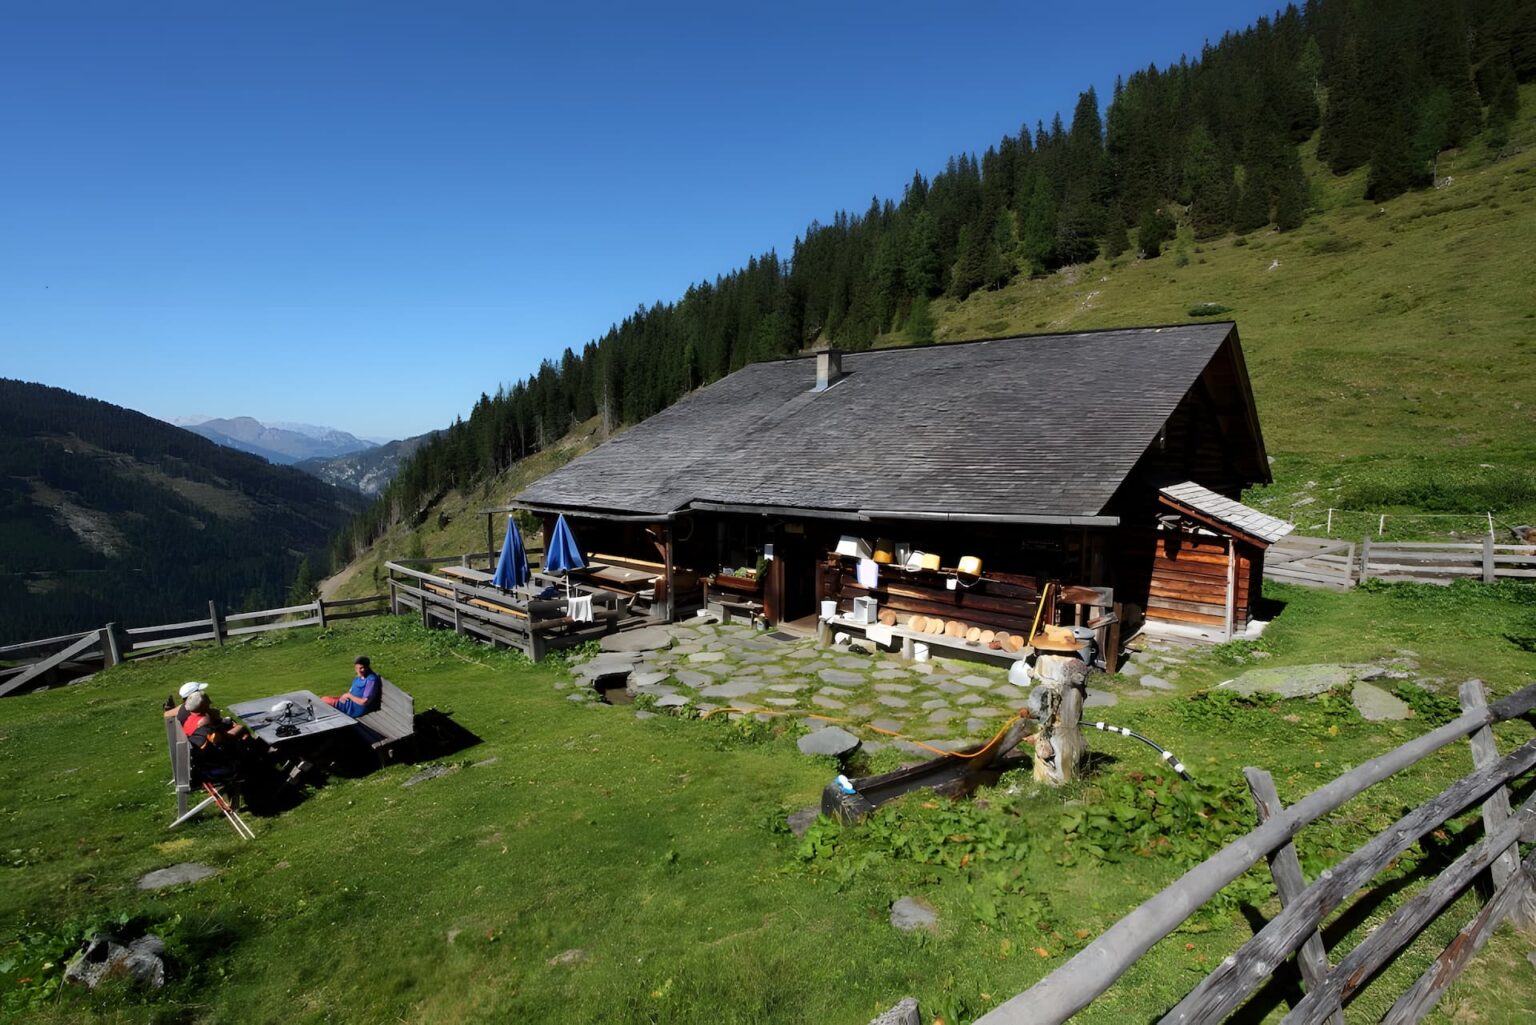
{"points": [[236, 822], [1167, 755]]}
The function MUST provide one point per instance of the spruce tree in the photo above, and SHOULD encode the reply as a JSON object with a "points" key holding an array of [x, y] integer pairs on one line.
{"points": [[1208, 175], [920, 322]]}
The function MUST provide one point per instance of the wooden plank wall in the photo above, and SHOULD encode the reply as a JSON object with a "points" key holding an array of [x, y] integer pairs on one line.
{"points": [[999, 601], [1188, 581]]}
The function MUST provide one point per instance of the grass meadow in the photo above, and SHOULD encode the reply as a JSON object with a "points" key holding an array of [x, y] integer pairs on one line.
{"points": [[657, 849]]}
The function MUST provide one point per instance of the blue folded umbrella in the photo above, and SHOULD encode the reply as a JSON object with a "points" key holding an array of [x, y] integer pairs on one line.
{"points": [[564, 553], [512, 566]]}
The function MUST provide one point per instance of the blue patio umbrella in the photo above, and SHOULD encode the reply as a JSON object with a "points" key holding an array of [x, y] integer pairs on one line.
{"points": [[564, 553], [512, 566]]}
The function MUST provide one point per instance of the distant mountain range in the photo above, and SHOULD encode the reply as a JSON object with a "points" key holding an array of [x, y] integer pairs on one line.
{"points": [[283, 444], [108, 515], [367, 471]]}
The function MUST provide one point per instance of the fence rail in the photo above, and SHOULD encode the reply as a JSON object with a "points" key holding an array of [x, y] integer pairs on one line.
{"points": [[1339, 565], [73, 655], [1296, 928]]}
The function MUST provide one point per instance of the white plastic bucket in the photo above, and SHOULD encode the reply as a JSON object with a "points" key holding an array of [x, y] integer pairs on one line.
{"points": [[829, 610], [919, 652]]}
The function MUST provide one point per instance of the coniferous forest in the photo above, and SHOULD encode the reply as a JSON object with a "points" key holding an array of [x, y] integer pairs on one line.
{"points": [[1211, 143]]}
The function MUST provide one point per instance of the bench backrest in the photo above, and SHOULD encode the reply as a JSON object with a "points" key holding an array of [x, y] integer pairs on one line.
{"points": [[394, 719]]}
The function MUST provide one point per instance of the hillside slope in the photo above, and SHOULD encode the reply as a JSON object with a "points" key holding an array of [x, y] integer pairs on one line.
{"points": [[110, 515], [367, 471]]}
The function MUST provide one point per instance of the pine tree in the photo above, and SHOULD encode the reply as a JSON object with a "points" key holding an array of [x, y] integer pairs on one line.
{"points": [[1292, 193], [1208, 173], [1116, 239], [305, 587], [1037, 233], [920, 322], [1156, 227]]}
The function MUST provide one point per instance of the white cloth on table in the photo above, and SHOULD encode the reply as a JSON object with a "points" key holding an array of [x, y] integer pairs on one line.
{"points": [[580, 609]]}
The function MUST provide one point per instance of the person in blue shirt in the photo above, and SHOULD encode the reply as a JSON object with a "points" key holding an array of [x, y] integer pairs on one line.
{"points": [[364, 695]]}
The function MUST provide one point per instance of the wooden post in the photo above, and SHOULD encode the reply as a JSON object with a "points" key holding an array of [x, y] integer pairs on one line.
{"points": [[394, 602], [458, 619], [213, 622], [1349, 567], [1285, 869], [111, 652], [1365, 558], [1496, 809], [1488, 559], [1060, 749], [1112, 640], [1231, 617], [320, 611]]}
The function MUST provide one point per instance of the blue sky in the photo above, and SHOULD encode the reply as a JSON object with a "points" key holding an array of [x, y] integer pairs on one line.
{"points": [[365, 214]]}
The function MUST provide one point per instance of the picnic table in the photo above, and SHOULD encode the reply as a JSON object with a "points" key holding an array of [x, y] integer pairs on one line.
{"points": [[464, 573], [311, 718], [621, 575]]}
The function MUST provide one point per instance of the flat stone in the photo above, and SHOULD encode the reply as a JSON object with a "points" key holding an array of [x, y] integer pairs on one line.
{"points": [[889, 674], [705, 707], [690, 678], [649, 638], [801, 653], [873, 747], [580, 697], [687, 649], [568, 957], [836, 692], [861, 711], [892, 701], [641, 713], [486, 761], [431, 772], [893, 688], [716, 668], [855, 664], [755, 659], [838, 743], [841, 676], [1378, 705], [1295, 681], [1130, 669], [656, 690], [904, 1013], [1155, 683], [973, 680], [969, 699], [734, 689], [976, 725], [706, 656], [671, 701], [650, 679], [187, 872], [939, 715], [894, 725], [935, 703], [910, 913], [1100, 698], [954, 687], [923, 668], [1009, 691], [907, 747], [782, 702], [989, 712], [774, 670], [800, 821], [949, 744], [822, 701], [788, 688]]}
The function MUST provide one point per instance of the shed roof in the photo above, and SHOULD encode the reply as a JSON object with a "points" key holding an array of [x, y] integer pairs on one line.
{"points": [[1042, 427], [1223, 510]]}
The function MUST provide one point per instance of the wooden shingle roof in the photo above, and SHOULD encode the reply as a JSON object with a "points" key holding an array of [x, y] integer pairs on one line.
{"points": [[1042, 427], [1228, 512]]}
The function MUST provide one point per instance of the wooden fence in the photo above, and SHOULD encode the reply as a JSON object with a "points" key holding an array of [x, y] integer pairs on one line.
{"points": [[1295, 930], [73, 655], [1339, 565]]}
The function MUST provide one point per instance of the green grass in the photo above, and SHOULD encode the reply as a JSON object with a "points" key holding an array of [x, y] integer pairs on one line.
{"points": [[658, 847]]}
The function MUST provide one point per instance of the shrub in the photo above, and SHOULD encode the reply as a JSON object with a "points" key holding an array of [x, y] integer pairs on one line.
{"points": [[1208, 310]]}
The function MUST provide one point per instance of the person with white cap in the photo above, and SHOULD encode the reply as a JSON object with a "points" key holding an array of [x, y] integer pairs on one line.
{"points": [[180, 711]]}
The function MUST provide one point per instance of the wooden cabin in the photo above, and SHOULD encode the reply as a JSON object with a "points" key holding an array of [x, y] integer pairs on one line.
{"points": [[1105, 460]]}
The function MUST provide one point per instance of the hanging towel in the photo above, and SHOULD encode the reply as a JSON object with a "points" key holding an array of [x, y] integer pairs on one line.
{"points": [[868, 574], [580, 609]]}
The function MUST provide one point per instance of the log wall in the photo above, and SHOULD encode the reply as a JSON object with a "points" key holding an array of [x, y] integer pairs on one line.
{"points": [[998, 601], [1184, 576]]}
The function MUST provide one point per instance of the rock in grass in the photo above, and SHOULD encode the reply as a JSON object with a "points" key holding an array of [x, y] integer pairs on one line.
{"points": [[573, 956], [430, 772], [904, 1013], [1155, 683], [187, 872], [1377, 705], [911, 913], [104, 957], [838, 743], [1295, 681], [800, 821]]}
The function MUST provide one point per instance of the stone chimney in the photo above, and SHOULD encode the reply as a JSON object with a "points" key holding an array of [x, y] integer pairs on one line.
{"points": [[829, 367]]}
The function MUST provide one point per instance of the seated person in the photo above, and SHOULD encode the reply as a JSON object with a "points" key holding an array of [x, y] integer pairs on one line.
{"points": [[217, 750], [364, 695], [180, 711]]}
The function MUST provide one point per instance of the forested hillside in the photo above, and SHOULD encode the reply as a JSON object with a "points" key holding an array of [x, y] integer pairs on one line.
{"points": [[1242, 142], [110, 515]]}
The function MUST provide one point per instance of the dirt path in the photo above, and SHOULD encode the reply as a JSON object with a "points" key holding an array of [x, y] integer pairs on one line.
{"points": [[330, 585]]}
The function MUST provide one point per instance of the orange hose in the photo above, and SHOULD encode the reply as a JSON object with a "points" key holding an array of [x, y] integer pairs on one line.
{"points": [[871, 726]]}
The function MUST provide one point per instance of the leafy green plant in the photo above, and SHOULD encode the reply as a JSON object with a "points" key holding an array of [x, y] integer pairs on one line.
{"points": [[1434, 709]]}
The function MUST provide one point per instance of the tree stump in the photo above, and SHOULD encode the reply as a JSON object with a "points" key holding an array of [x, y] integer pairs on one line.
{"points": [[1060, 750]]}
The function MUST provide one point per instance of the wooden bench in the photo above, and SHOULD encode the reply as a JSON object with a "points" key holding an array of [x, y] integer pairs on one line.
{"points": [[393, 722], [181, 780]]}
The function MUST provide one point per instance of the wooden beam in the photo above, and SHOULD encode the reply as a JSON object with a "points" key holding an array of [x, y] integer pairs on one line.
{"points": [[1285, 869], [39, 668], [1496, 809]]}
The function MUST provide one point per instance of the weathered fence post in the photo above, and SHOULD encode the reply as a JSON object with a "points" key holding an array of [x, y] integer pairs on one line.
{"points": [[1349, 567], [1365, 558], [1060, 749], [215, 625], [458, 621], [111, 653], [320, 611], [1285, 869], [394, 601], [1496, 809], [1488, 559]]}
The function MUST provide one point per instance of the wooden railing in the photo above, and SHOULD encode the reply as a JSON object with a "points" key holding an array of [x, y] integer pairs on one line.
{"points": [[1295, 929], [110, 644], [1331, 563]]}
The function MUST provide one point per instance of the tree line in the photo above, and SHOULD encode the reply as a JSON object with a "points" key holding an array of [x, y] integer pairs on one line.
{"points": [[1386, 85]]}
